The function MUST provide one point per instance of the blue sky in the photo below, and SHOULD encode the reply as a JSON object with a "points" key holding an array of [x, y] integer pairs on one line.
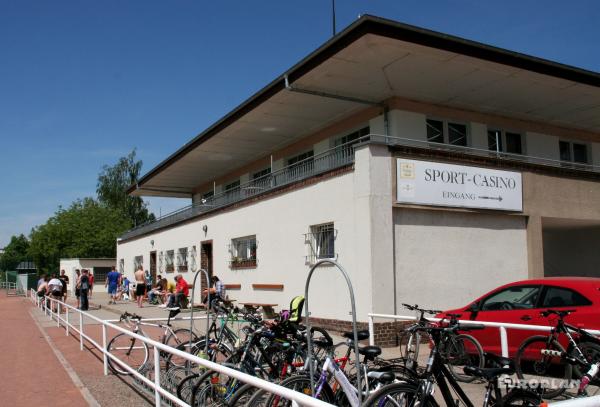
{"points": [[84, 82]]}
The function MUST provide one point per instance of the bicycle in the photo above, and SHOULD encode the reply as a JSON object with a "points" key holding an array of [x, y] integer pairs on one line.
{"points": [[420, 392], [129, 352], [543, 355], [458, 350], [348, 392]]}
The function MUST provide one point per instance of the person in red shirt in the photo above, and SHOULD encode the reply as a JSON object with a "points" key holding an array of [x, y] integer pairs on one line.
{"points": [[181, 291]]}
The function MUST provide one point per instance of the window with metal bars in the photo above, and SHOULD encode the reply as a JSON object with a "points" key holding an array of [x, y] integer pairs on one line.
{"points": [[243, 252], [121, 266], [138, 261], [182, 261], [170, 261], [573, 152], [505, 142], [321, 242]]}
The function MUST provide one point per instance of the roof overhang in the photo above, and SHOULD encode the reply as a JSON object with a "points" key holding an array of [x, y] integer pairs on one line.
{"points": [[375, 60]]}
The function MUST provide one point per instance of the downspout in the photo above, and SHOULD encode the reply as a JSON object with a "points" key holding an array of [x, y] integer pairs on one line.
{"points": [[386, 129]]}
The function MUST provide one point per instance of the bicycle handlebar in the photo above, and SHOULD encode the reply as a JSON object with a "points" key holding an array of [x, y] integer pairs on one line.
{"points": [[126, 315], [416, 308]]}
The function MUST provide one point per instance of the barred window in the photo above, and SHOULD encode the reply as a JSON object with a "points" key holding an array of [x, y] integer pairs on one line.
{"points": [[243, 252], [321, 242], [170, 260], [439, 131], [138, 261], [182, 261], [122, 266]]}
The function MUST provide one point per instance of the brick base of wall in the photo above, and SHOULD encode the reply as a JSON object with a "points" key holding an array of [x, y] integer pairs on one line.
{"points": [[387, 334]]}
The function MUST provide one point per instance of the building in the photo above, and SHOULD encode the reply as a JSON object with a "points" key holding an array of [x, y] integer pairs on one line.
{"points": [[98, 267], [433, 168]]}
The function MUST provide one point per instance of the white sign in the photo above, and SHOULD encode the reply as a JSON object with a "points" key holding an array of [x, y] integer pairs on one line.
{"points": [[430, 183]]}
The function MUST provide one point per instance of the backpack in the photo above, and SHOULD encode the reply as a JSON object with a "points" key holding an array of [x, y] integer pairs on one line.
{"points": [[85, 283]]}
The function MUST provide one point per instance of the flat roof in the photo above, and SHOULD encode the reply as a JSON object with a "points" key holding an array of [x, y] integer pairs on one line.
{"points": [[476, 76]]}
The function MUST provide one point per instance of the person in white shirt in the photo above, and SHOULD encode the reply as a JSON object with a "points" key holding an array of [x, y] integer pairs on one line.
{"points": [[55, 289]]}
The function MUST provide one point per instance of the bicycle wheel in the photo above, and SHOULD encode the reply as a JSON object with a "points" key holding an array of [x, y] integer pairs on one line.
{"points": [[214, 389], [548, 369], [460, 351], [520, 398], [185, 387], [300, 383], [396, 395], [179, 336], [242, 395], [130, 351], [409, 348]]}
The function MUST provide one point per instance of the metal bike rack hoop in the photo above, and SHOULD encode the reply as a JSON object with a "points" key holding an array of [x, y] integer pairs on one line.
{"points": [[354, 330], [207, 309]]}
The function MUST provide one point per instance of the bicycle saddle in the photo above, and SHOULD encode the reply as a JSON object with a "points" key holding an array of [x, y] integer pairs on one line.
{"points": [[498, 361], [370, 352], [362, 335], [488, 373], [382, 377]]}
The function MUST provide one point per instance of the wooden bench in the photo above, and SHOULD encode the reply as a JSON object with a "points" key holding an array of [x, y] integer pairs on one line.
{"points": [[268, 310]]}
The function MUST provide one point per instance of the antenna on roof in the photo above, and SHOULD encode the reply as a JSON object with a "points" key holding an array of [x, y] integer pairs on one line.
{"points": [[333, 15]]}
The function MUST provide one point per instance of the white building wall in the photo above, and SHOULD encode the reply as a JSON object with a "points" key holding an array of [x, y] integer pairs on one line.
{"points": [[595, 154], [70, 265], [479, 136], [279, 224], [445, 259], [408, 125]]}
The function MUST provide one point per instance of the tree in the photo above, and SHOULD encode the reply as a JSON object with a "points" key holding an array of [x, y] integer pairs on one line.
{"points": [[14, 253], [86, 229], [112, 186]]}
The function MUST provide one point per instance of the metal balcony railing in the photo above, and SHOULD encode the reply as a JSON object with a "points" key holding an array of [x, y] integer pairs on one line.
{"points": [[334, 158]]}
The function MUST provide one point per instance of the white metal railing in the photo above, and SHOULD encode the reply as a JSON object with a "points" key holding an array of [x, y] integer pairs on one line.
{"points": [[7, 285], [593, 401], [502, 327], [298, 399]]}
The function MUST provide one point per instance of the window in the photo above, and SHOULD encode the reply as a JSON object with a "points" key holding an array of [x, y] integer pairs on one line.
{"points": [[505, 142], [439, 131], [300, 158], [232, 186], [512, 298], [563, 297], [137, 262], [208, 195], [243, 252], [262, 173], [321, 242], [170, 260], [193, 256], [232, 191], [352, 138], [182, 261], [122, 266], [573, 152]]}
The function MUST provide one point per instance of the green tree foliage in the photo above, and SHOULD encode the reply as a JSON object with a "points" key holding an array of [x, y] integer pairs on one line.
{"points": [[111, 188], [14, 253], [86, 229]]}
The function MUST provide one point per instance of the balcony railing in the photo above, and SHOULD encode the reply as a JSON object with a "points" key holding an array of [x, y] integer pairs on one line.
{"points": [[335, 158]]}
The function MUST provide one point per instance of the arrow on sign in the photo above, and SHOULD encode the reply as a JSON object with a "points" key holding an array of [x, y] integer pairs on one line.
{"points": [[495, 198]]}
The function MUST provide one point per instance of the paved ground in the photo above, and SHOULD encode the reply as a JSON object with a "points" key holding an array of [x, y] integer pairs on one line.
{"points": [[43, 355]]}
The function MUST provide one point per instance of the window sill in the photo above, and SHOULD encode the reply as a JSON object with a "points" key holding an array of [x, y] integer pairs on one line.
{"points": [[245, 264]]}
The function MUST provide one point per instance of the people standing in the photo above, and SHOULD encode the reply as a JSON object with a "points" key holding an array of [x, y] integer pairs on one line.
{"points": [[140, 286], [91, 278], [77, 289], [126, 293], [84, 288], [113, 280], [43, 279], [64, 279]]}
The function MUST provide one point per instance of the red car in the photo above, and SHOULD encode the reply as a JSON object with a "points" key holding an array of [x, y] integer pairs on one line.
{"points": [[521, 303]]}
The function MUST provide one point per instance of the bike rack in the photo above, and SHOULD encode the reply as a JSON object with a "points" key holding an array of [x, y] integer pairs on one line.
{"points": [[207, 308], [354, 330]]}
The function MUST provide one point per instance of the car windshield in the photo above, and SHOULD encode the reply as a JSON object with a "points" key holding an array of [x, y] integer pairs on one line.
{"points": [[520, 297]]}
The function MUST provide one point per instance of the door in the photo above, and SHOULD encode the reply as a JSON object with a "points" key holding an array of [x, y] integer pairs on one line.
{"points": [[153, 267], [206, 260]]}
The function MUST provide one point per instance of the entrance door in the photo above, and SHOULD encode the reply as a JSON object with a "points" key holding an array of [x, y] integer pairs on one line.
{"points": [[206, 260], [153, 267]]}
